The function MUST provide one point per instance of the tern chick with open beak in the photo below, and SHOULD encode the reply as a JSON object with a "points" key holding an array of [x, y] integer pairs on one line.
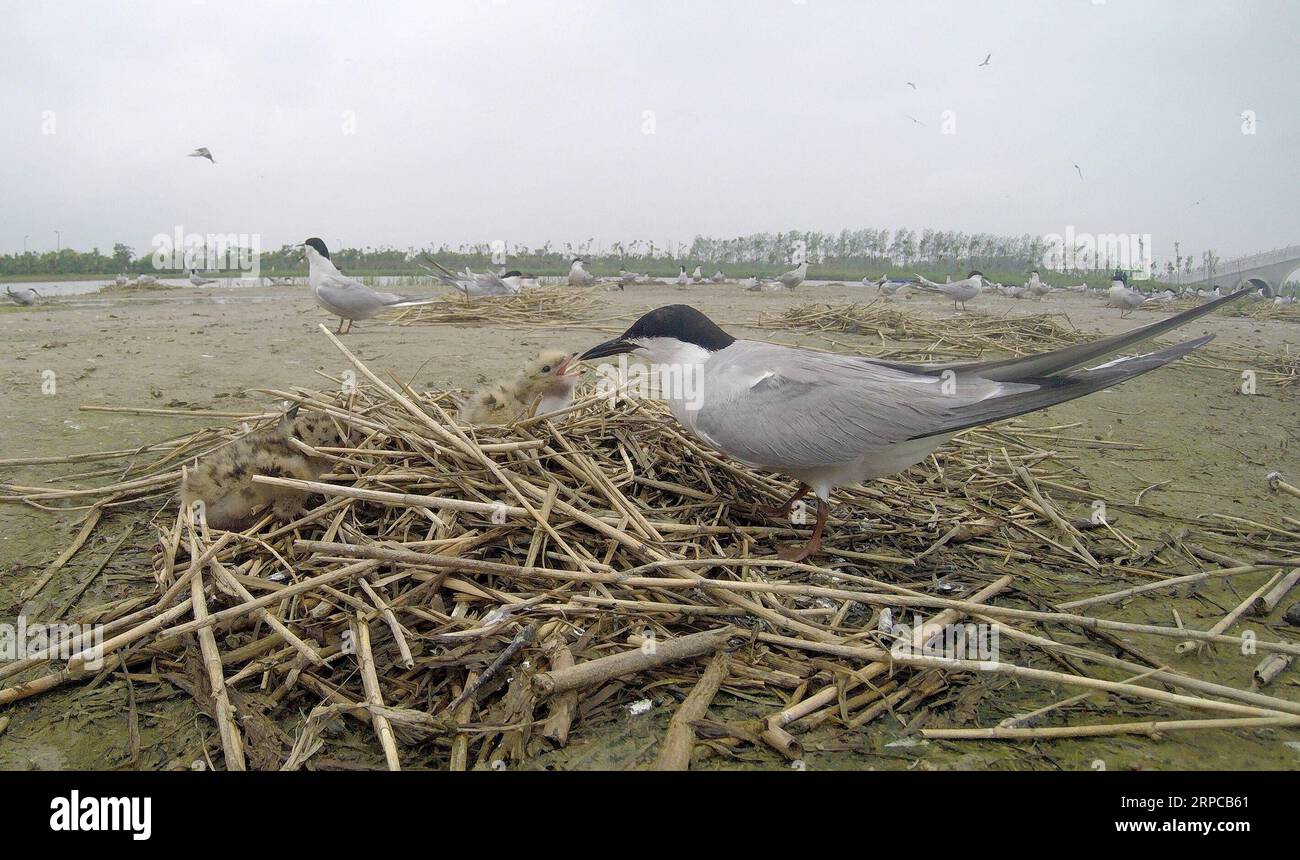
{"points": [[550, 376]]}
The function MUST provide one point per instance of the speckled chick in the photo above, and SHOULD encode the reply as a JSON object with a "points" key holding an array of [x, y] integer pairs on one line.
{"points": [[223, 480], [551, 376]]}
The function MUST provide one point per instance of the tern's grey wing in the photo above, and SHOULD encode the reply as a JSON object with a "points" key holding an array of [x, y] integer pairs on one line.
{"points": [[769, 405], [351, 298]]}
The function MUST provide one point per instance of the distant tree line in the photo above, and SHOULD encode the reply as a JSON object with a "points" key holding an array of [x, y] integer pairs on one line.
{"points": [[834, 254]]}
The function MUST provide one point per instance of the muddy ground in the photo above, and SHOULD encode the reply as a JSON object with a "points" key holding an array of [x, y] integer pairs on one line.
{"points": [[200, 349]]}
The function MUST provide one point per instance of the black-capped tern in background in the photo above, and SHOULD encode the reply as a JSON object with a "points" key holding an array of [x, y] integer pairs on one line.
{"points": [[146, 279], [25, 296], [830, 420], [1120, 296], [199, 281], [794, 277], [959, 291], [202, 152], [578, 276], [718, 277], [347, 298], [682, 278]]}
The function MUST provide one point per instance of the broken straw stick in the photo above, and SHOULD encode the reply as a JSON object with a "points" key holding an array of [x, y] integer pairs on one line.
{"points": [[232, 743], [630, 662], [680, 741], [370, 682], [1146, 728], [1164, 583]]}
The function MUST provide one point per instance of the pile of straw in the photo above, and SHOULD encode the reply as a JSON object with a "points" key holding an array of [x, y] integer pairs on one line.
{"points": [[538, 306], [925, 338], [471, 598]]}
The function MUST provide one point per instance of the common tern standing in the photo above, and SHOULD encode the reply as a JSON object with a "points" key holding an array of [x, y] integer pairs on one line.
{"points": [[682, 278], [830, 420], [578, 276], [718, 277], [346, 298], [795, 276], [697, 276], [1120, 296], [199, 281], [959, 291]]}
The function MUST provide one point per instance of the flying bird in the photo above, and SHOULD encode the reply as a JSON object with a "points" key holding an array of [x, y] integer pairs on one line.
{"points": [[829, 420], [987, 57], [202, 152], [910, 84], [913, 119], [1076, 167], [346, 298]]}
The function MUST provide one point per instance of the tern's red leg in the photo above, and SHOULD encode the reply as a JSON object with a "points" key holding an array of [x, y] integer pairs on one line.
{"points": [[784, 510], [795, 553], [339, 330]]}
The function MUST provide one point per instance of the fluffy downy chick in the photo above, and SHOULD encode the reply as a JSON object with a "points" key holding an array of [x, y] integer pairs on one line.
{"points": [[223, 480], [550, 376]]}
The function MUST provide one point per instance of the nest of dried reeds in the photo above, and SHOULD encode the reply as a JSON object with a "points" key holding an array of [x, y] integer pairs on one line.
{"points": [[472, 597], [539, 306], [923, 338]]}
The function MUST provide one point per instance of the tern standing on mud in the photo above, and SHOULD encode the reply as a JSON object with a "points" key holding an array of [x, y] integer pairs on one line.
{"points": [[829, 420], [346, 298]]}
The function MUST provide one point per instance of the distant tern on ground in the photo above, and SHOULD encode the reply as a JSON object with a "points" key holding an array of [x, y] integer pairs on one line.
{"points": [[682, 278], [794, 277], [346, 298], [1120, 296], [198, 281], [578, 276], [718, 277], [477, 285], [25, 296], [829, 420], [959, 291], [697, 276], [202, 152]]}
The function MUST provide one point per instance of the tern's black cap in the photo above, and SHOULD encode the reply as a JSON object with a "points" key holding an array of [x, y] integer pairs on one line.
{"points": [[682, 322], [319, 246]]}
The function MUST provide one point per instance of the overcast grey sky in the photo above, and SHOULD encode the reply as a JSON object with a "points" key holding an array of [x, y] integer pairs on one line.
{"points": [[477, 120]]}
